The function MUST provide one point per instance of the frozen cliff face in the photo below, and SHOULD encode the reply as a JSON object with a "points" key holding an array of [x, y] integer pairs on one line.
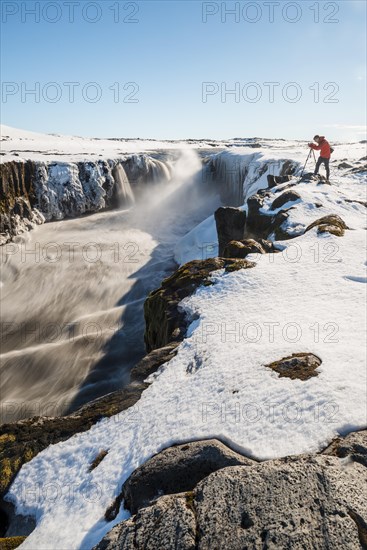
{"points": [[143, 169], [68, 189], [239, 175], [33, 192]]}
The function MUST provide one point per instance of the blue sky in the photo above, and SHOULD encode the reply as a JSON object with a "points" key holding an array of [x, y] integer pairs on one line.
{"points": [[172, 52]]}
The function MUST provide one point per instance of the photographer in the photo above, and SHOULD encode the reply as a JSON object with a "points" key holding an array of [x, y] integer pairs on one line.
{"points": [[325, 152]]}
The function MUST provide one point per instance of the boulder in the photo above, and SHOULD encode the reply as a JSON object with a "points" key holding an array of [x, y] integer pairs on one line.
{"points": [[280, 232], [176, 470], [284, 198], [301, 366], [273, 181], [296, 502], [307, 178], [263, 225], [169, 524], [292, 503], [257, 222], [241, 249], [230, 226], [344, 165], [329, 224]]}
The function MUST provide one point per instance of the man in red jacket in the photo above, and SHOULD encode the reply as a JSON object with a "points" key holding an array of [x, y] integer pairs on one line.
{"points": [[324, 147]]}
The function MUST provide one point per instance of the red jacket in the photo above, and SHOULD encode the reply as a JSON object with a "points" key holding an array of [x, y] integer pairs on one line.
{"points": [[324, 147]]}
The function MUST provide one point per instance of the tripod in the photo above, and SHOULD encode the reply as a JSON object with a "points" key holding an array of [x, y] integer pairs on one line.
{"points": [[308, 156]]}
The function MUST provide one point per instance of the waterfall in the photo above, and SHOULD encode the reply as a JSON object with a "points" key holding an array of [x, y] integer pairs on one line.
{"points": [[238, 176], [159, 171], [124, 192]]}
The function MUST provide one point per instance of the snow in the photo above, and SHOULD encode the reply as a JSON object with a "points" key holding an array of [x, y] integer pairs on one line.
{"points": [[308, 298], [21, 145], [17, 144]]}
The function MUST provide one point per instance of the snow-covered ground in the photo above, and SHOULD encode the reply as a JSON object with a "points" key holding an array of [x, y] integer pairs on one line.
{"points": [[308, 298], [20, 144]]}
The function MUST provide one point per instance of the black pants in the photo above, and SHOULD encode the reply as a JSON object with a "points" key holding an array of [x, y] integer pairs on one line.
{"points": [[325, 162]]}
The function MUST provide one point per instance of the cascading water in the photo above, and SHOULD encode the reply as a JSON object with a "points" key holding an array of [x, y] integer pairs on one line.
{"points": [[73, 291], [125, 195]]}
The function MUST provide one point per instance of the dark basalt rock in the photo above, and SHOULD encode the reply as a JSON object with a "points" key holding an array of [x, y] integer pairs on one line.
{"points": [[301, 366], [230, 226], [329, 224], [241, 249], [273, 181], [310, 177], [344, 165], [177, 469], [256, 221], [151, 362], [263, 225], [16, 196], [287, 196]]}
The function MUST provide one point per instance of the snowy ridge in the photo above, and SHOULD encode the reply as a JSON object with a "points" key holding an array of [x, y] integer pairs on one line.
{"points": [[308, 298]]}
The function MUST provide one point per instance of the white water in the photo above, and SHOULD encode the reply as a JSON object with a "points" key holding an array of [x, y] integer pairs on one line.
{"points": [[124, 192], [73, 294]]}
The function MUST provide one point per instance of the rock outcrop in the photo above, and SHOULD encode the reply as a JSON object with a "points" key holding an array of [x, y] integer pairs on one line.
{"points": [[273, 181], [329, 224], [176, 470], [284, 198], [241, 249], [301, 366], [263, 225], [297, 502], [230, 224], [17, 199], [34, 192]]}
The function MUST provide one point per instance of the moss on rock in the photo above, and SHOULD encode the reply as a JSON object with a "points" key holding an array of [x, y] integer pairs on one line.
{"points": [[10, 543], [329, 224]]}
